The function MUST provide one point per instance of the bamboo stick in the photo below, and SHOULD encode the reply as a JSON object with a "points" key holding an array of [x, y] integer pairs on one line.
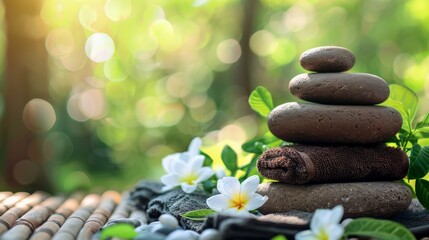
{"points": [[11, 201], [123, 209], [99, 217], [11, 215], [25, 226], [4, 195], [56, 220], [71, 227]]}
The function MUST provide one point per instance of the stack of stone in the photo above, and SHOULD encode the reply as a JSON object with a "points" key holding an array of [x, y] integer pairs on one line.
{"points": [[338, 154]]}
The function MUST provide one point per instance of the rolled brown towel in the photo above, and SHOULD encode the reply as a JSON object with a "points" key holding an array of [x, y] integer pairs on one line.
{"points": [[300, 164]]}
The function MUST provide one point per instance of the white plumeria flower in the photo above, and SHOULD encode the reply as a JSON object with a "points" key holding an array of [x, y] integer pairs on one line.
{"points": [[186, 174], [325, 225], [193, 151], [236, 199]]}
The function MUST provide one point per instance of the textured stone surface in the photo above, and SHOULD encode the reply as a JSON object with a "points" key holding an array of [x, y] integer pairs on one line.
{"points": [[327, 59], [340, 88], [365, 199], [316, 123]]}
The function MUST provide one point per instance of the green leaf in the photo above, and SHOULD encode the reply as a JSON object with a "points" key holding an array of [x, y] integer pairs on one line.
{"points": [[208, 185], [422, 192], [260, 144], [405, 101], [229, 159], [208, 161], [421, 133], [122, 230], [379, 229], [424, 122], [198, 215], [419, 162], [260, 101], [279, 237]]}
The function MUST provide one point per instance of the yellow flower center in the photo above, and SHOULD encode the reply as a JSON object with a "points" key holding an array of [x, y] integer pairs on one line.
{"points": [[238, 201], [189, 179], [323, 235]]}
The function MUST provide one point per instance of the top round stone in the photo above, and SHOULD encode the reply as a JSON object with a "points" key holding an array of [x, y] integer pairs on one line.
{"points": [[327, 59]]}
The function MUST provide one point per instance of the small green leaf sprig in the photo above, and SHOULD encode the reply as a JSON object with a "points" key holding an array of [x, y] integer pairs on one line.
{"points": [[405, 101]]}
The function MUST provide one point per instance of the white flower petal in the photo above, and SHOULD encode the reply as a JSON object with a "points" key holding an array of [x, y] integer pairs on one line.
{"points": [[320, 219], [218, 202], [334, 231], [346, 222], [180, 168], [228, 186], [196, 163], [168, 160], [170, 180], [305, 235], [185, 156], [167, 188], [249, 185], [243, 212], [204, 174], [256, 201], [194, 146], [187, 188], [230, 211], [336, 214]]}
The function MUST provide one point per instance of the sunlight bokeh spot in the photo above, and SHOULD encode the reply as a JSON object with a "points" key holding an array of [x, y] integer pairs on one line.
{"points": [[297, 17], [75, 61], [117, 9], [164, 34], [228, 51], [60, 42], [232, 132], [92, 104], [263, 43], [177, 85], [87, 17], [146, 111], [39, 115], [172, 114], [26, 172], [195, 101], [114, 70], [73, 108], [99, 47], [205, 112], [152, 13], [285, 53]]}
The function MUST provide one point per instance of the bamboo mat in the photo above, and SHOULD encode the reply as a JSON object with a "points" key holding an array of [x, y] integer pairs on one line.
{"points": [[39, 216]]}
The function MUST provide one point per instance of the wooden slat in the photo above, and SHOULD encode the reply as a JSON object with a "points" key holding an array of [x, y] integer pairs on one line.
{"points": [[75, 222], [11, 215], [9, 202], [4, 195], [100, 215], [25, 226], [56, 220]]}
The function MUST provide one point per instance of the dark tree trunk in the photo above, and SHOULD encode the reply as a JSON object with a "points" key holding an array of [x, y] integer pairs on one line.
{"points": [[244, 67], [25, 78]]}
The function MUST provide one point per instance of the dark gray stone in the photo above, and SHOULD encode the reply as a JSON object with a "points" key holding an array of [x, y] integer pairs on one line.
{"points": [[340, 88], [327, 59], [339, 124]]}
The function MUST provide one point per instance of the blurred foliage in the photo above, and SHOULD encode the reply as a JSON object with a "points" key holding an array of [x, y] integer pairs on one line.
{"points": [[185, 68]]}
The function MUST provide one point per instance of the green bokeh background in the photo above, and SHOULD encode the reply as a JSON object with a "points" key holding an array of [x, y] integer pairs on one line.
{"points": [[185, 68]]}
